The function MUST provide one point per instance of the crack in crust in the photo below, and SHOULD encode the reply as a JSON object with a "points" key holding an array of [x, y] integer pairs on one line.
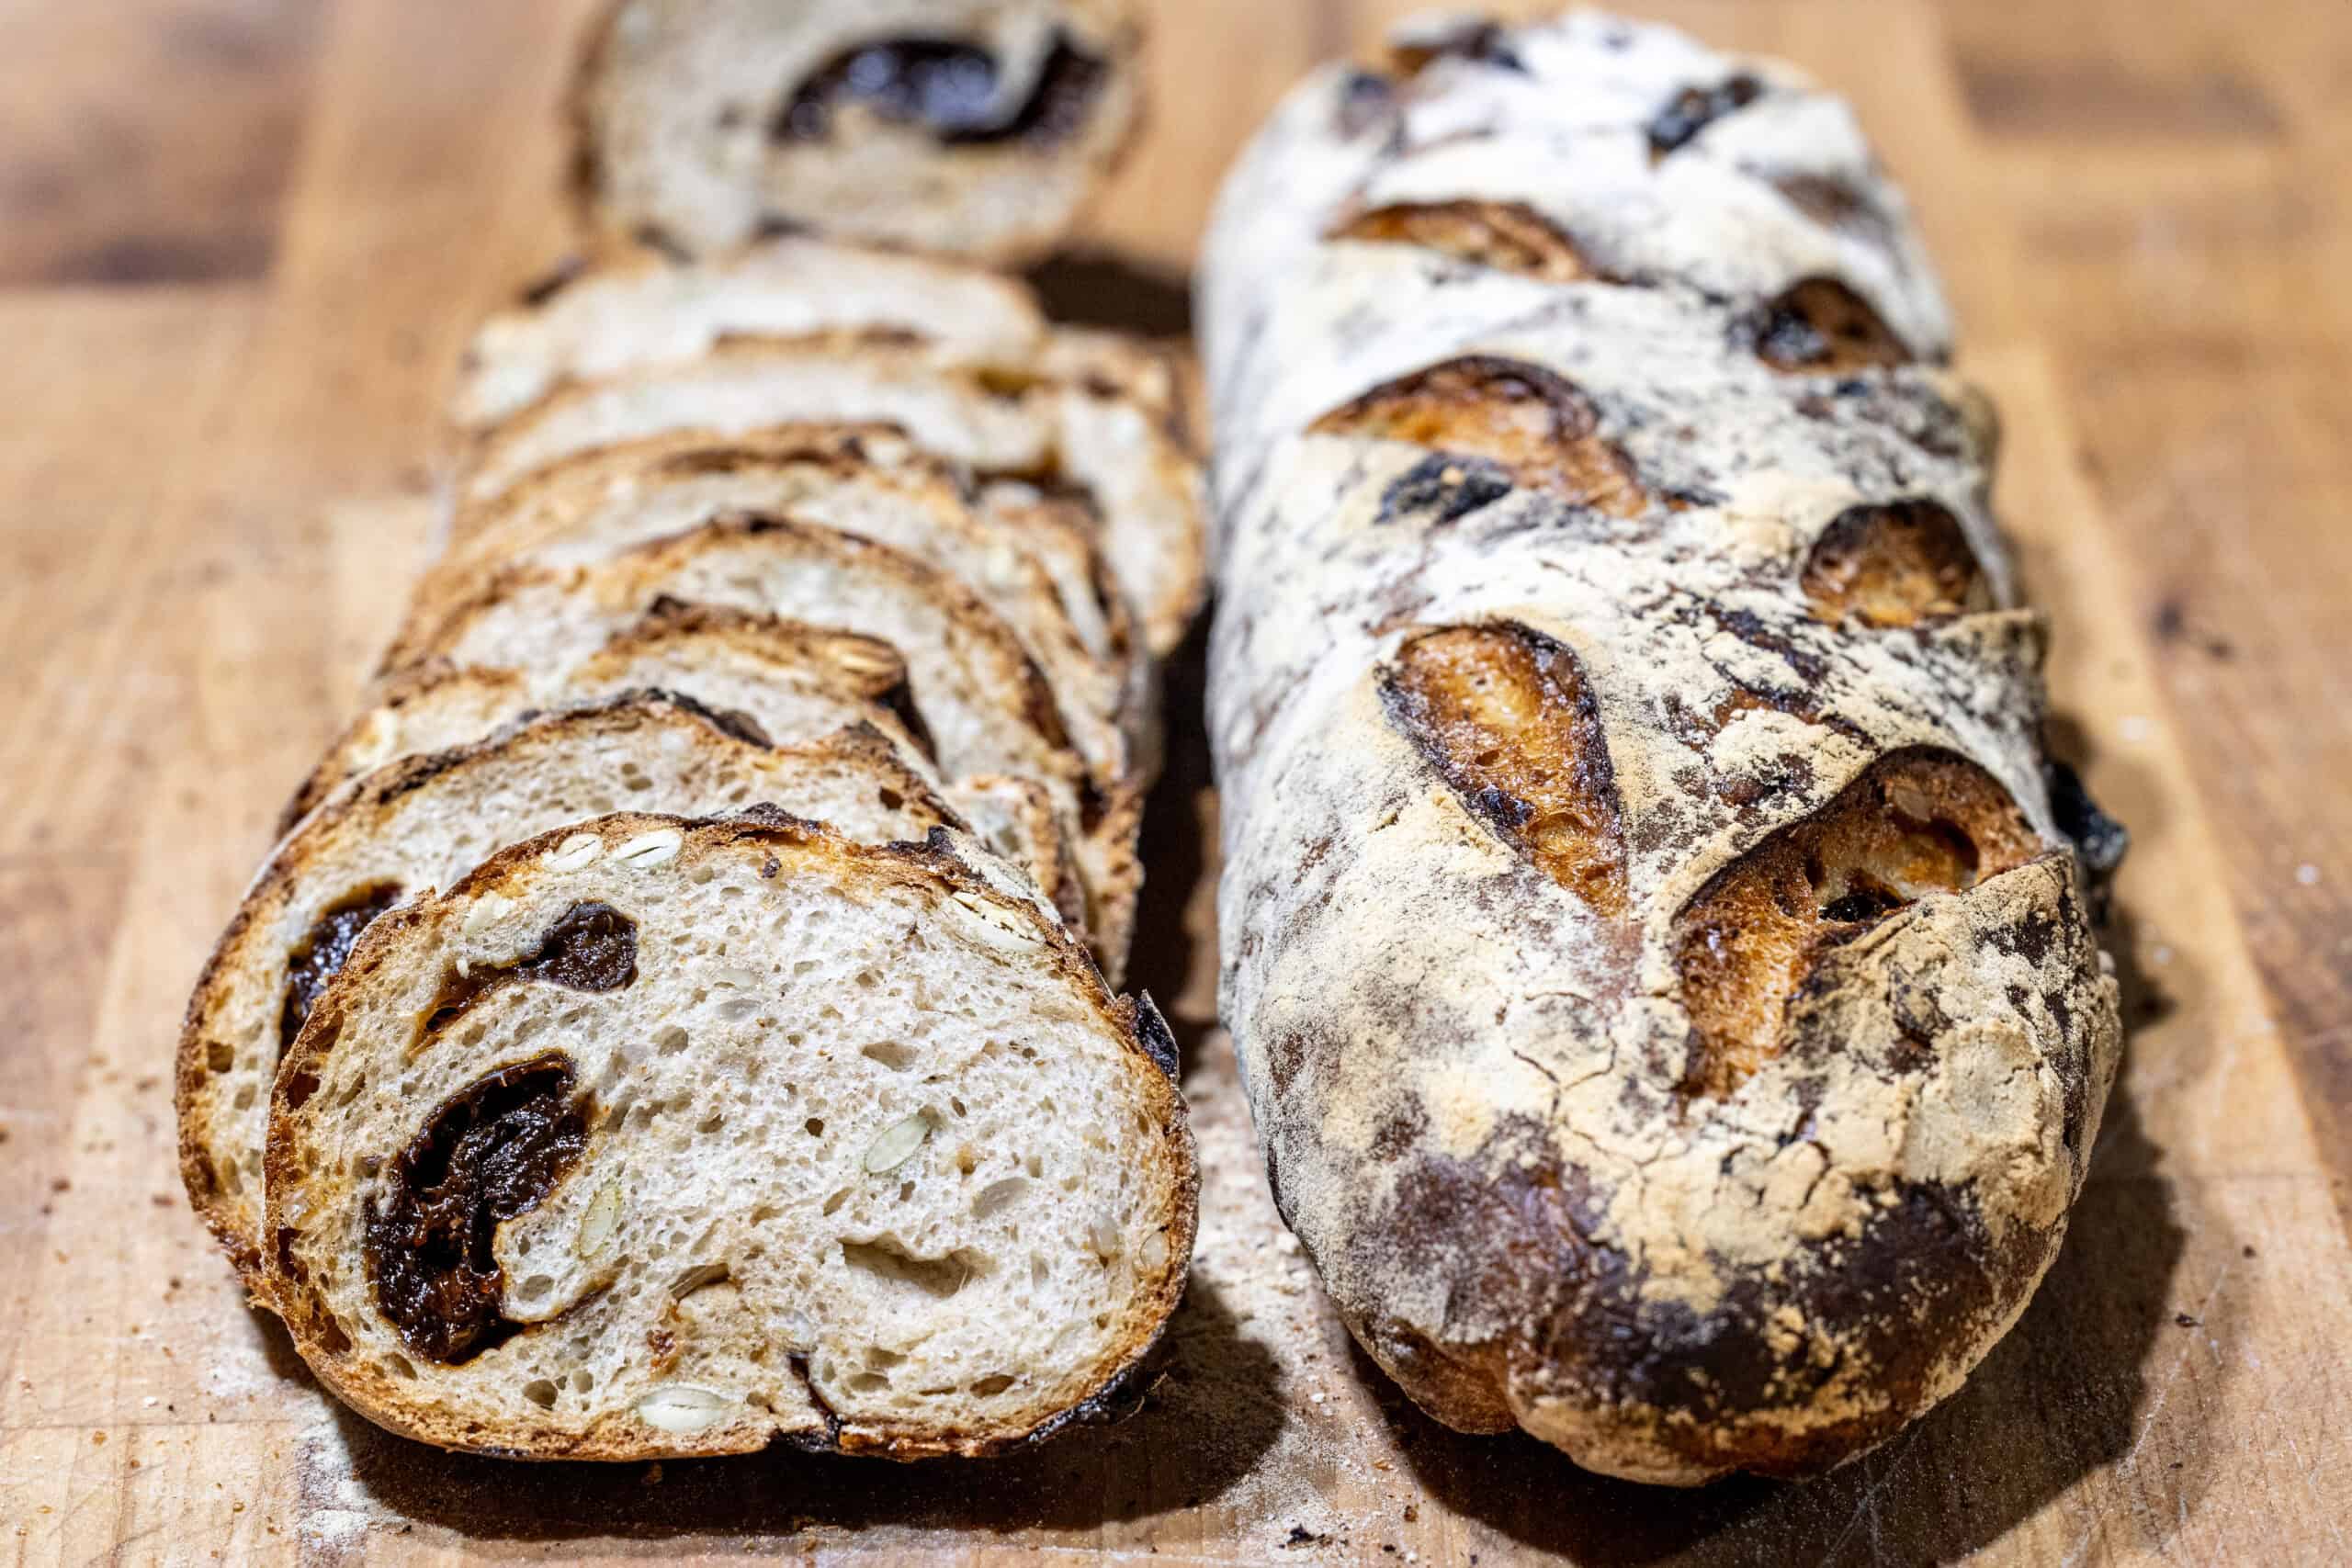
{"points": [[1509, 236], [1535, 425], [1894, 565], [1505, 716], [1916, 824]]}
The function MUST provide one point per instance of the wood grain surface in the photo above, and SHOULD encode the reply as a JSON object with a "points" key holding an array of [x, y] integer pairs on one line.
{"points": [[242, 241]]}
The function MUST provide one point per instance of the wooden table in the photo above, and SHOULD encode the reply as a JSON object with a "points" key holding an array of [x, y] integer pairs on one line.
{"points": [[243, 240]]}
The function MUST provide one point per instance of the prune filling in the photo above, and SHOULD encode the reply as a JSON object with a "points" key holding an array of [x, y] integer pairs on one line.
{"points": [[323, 950], [492, 1152], [591, 947], [947, 88]]}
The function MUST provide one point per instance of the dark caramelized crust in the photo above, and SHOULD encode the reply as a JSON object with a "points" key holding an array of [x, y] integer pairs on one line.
{"points": [[1821, 327], [1537, 426], [1915, 823], [1894, 565], [1484, 42], [1504, 715], [1509, 236]]}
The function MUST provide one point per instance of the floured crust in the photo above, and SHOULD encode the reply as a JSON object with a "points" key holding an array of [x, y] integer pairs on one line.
{"points": [[1672, 1014], [314, 1190], [702, 125]]}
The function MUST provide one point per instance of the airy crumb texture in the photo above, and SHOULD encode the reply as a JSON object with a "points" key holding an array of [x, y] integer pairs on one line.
{"points": [[1672, 1007], [980, 128], [653, 1137], [423, 822]]}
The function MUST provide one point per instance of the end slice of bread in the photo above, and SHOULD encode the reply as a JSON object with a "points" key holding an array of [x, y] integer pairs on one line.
{"points": [[973, 128], [654, 1137], [423, 822]]}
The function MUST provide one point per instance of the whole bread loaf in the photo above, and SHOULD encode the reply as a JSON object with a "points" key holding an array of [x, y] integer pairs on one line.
{"points": [[1668, 1001]]}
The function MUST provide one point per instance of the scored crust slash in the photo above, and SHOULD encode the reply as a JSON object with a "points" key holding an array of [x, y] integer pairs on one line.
{"points": [[1669, 991]]}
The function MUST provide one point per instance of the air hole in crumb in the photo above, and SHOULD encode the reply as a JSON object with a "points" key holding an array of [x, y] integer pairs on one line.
{"points": [[891, 1055], [670, 1040], [541, 1392], [994, 1383]]}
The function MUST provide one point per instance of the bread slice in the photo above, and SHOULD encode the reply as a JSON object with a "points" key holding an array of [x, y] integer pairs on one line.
{"points": [[1129, 454], [654, 1138], [423, 822], [587, 507], [789, 681], [985, 706], [640, 307], [973, 128]]}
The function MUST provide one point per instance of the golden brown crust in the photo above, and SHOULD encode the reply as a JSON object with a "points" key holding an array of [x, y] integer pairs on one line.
{"points": [[1530, 420], [1894, 565], [1504, 714], [1508, 235]]}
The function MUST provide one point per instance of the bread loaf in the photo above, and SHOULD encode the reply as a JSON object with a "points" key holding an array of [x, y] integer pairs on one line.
{"points": [[1667, 1001], [979, 128], [651, 1137]]}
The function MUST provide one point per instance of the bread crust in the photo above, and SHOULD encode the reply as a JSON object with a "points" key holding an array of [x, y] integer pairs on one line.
{"points": [[939, 868], [1672, 1013]]}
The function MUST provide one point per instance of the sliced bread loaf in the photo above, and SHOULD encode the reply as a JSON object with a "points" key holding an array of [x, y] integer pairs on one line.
{"points": [[655, 1138], [423, 822], [973, 128]]}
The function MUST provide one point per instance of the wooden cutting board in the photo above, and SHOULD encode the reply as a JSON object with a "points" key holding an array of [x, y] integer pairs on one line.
{"points": [[245, 240]]}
